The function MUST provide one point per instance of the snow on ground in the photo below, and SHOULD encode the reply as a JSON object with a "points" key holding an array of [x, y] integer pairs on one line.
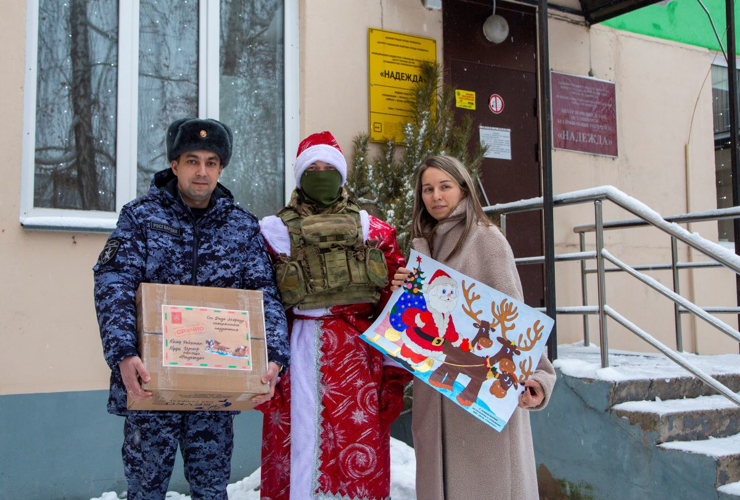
{"points": [[403, 471], [667, 407], [713, 447], [730, 489], [403, 479], [576, 360]]}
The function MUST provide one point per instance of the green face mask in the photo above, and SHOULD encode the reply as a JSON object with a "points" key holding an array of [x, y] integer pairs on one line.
{"points": [[322, 187]]}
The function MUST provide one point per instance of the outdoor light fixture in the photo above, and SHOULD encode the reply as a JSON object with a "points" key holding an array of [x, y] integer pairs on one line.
{"points": [[495, 29]]}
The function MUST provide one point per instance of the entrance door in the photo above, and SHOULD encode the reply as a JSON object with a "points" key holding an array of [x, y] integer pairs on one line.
{"points": [[504, 79]]}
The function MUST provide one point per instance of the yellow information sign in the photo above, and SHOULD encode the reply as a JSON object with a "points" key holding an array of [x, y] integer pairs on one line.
{"points": [[465, 99], [394, 60]]}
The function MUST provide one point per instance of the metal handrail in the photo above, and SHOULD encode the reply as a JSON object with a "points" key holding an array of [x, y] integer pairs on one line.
{"points": [[674, 356], [645, 267], [676, 298], [714, 310], [650, 267], [706, 216], [646, 217], [635, 207], [563, 257]]}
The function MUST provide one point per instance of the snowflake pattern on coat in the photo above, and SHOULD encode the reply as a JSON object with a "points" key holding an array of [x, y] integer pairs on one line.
{"points": [[158, 240]]}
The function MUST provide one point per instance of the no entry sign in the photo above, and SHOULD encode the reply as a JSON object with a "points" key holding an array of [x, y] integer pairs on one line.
{"points": [[496, 104]]}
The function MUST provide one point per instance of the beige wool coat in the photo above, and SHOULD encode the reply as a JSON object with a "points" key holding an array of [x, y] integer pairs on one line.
{"points": [[458, 457]]}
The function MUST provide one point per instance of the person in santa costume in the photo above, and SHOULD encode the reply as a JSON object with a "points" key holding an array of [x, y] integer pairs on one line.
{"points": [[425, 330], [326, 431]]}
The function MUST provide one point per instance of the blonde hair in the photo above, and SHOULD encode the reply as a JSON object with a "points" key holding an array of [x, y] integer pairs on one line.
{"points": [[423, 225]]}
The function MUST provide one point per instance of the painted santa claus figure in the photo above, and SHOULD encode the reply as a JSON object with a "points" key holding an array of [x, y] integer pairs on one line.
{"points": [[425, 330], [326, 432]]}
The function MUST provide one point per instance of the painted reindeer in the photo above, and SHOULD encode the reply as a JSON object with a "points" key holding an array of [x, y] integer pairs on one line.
{"points": [[480, 368], [503, 317], [506, 375], [506, 379], [463, 359]]}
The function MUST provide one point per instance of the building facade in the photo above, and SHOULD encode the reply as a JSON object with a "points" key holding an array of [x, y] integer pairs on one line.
{"points": [[90, 87]]}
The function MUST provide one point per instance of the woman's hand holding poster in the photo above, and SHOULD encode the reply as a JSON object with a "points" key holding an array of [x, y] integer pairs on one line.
{"points": [[472, 343]]}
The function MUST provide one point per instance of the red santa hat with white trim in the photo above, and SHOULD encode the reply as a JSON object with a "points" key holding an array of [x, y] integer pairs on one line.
{"points": [[322, 147], [438, 278]]}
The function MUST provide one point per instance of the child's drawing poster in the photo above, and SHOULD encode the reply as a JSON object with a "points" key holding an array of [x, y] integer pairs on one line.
{"points": [[473, 344]]}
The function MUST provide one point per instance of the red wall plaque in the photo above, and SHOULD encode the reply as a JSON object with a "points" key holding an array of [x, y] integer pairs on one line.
{"points": [[584, 115]]}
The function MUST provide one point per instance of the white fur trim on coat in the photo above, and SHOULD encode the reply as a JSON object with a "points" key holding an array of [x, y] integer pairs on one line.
{"points": [[275, 233], [365, 222]]}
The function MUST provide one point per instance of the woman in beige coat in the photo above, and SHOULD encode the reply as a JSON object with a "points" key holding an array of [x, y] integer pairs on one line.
{"points": [[458, 457]]}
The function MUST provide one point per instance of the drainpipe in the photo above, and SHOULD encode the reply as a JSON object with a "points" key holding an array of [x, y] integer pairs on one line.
{"points": [[543, 46], [734, 151]]}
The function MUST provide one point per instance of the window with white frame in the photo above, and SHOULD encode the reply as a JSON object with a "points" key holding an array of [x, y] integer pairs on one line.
{"points": [[106, 77]]}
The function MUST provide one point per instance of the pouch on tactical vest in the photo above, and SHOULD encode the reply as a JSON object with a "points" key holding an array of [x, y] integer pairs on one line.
{"points": [[325, 231], [329, 263], [290, 280], [377, 268]]}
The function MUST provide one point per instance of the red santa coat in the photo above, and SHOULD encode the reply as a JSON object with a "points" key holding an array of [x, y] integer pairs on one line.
{"points": [[337, 412], [421, 340]]}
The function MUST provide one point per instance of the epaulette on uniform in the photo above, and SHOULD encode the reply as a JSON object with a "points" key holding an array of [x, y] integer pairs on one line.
{"points": [[137, 202]]}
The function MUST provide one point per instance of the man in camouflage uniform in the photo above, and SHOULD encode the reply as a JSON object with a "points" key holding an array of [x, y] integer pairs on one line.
{"points": [[186, 231]]}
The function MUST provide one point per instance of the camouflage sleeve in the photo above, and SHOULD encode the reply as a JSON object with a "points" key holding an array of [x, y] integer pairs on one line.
{"points": [[260, 275], [118, 273]]}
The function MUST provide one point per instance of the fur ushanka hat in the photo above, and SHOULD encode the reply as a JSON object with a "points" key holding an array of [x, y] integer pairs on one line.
{"points": [[193, 134]]}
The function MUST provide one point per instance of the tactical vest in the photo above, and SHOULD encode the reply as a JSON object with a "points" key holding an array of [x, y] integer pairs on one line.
{"points": [[329, 264]]}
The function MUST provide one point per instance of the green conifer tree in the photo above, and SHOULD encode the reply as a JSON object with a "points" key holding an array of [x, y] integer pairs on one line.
{"points": [[384, 185]]}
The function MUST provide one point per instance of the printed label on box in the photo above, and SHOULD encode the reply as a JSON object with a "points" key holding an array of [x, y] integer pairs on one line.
{"points": [[201, 337]]}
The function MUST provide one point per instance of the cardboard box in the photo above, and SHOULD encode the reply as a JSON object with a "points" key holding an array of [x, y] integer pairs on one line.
{"points": [[204, 347]]}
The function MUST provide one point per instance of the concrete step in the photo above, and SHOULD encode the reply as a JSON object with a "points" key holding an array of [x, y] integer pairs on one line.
{"points": [[667, 434], [683, 419], [676, 387], [577, 430], [725, 451], [633, 376]]}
